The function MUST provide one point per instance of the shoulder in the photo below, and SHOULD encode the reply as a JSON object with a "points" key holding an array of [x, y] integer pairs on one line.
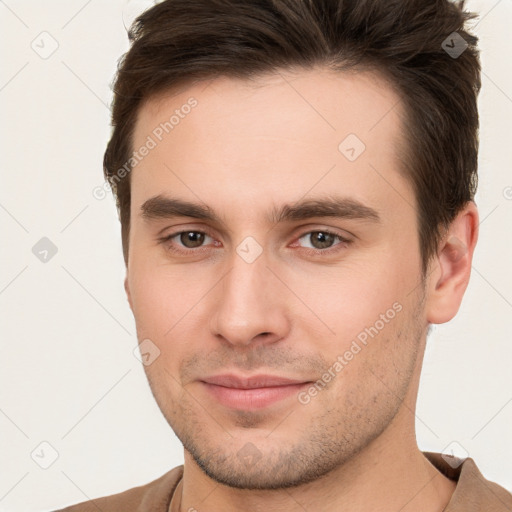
{"points": [[473, 491], [478, 489], [153, 496]]}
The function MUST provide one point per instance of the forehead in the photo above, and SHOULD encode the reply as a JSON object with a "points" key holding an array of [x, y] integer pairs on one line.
{"points": [[282, 133], [318, 100]]}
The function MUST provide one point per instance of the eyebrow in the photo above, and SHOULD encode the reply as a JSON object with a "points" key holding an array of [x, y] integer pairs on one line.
{"points": [[162, 207]]}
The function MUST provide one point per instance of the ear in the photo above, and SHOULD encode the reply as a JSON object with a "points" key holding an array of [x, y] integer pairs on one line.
{"points": [[127, 290], [450, 270]]}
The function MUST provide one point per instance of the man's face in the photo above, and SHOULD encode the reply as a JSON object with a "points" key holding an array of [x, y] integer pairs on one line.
{"points": [[246, 294]]}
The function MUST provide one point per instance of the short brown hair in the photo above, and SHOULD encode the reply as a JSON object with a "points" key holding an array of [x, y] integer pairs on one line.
{"points": [[180, 42]]}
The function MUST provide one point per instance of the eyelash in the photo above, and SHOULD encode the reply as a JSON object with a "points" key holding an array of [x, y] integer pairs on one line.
{"points": [[343, 242]]}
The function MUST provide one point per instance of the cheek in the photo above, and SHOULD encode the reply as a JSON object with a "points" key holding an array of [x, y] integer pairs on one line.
{"points": [[380, 358], [161, 297], [339, 303], [170, 306], [152, 307]]}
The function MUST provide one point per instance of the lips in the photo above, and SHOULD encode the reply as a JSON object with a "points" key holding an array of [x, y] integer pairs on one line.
{"points": [[253, 382], [251, 393]]}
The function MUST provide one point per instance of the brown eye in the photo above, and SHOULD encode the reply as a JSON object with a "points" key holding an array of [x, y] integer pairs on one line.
{"points": [[192, 239], [186, 243], [321, 239]]}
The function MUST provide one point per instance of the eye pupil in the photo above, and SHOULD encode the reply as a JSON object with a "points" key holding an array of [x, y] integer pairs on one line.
{"points": [[193, 237], [324, 239]]}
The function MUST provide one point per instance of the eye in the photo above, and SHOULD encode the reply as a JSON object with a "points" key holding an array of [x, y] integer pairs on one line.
{"points": [[187, 240], [322, 240], [191, 239]]}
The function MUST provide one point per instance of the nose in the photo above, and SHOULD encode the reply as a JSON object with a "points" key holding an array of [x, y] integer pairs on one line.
{"points": [[249, 304]]}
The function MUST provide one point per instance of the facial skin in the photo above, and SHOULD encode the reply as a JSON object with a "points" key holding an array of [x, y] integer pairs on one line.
{"points": [[246, 150]]}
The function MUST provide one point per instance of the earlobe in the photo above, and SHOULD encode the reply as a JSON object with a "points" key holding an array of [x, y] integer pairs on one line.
{"points": [[127, 290], [449, 282]]}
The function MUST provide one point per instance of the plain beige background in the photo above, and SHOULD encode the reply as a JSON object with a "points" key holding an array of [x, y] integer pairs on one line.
{"points": [[69, 376]]}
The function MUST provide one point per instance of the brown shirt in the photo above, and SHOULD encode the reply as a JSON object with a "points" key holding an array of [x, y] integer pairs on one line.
{"points": [[473, 492]]}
